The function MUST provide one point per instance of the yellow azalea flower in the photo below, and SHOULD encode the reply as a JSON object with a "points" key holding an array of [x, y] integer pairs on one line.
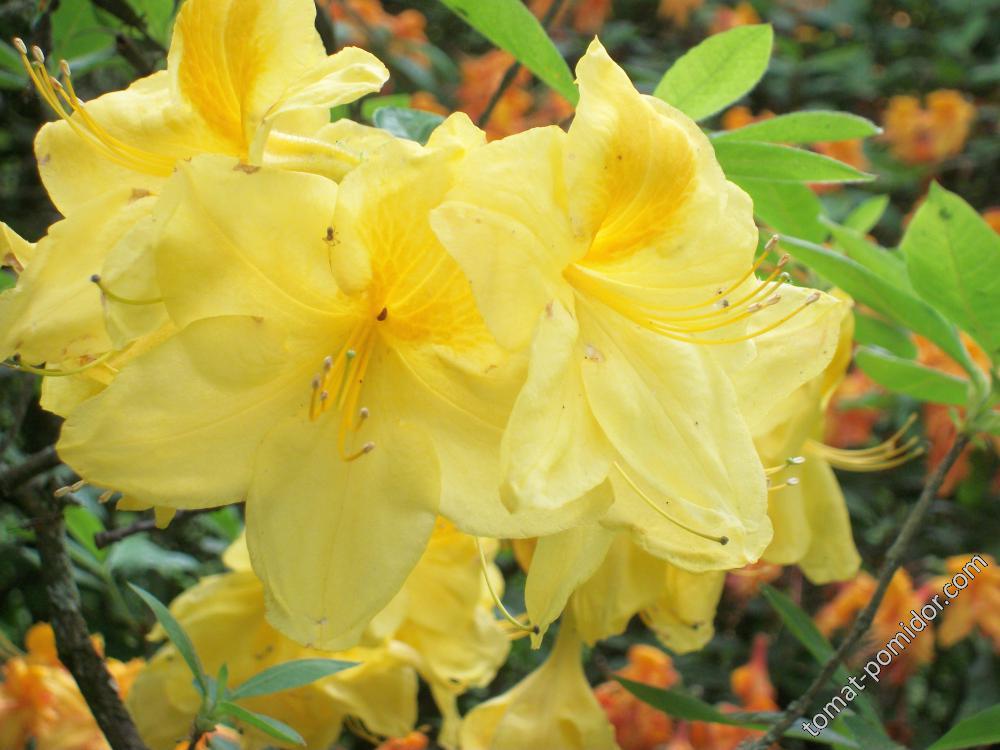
{"points": [[976, 606], [348, 389], [608, 263], [553, 707], [236, 69], [225, 617], [40, 704], [812, 528]]}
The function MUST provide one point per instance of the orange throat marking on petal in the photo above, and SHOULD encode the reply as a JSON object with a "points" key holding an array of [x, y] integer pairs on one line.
{"points": [[721, 310], [62, 98]]}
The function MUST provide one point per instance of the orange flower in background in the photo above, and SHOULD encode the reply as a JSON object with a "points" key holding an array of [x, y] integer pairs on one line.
{"points": [[992, 217], [846, 424], [746, 582], [221, 733], [40, 702], [739, 116], [850, 152], [919, 135], [637, 725], [938, 424], [413, 741], [751, 683], [725, 19], [588, 15], [900, 598], [678, 12], [405, 32], [976, 606]]}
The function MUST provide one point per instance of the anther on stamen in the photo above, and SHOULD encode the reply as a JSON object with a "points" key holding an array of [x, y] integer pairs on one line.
{"points": [[37, 53], [797, 460], [96, 279], [771, 243], [75, 487], [363, 413], [20, 46], [383, 314]]}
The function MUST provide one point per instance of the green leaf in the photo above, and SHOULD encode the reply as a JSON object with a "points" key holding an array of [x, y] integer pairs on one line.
{"points": [[267, 724], [886, 263], [512, 27], [879, 294], [177, 636], [980, 729], [776, 163], [786, 207], [803, 127], [136, 554], [82, 524], [684, 706], [414, 124], [876, 332], [77, 30], [867, 214], [805, 631], [911, 378], [953, 258], [222, 682], [718, 71], [372, 104], [289, 675]]}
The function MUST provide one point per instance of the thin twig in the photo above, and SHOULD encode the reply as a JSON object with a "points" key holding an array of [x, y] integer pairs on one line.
{"points": [[19, 411], [103, 539], [14, 476], [894, 558], [76, 651], [511, 73]]}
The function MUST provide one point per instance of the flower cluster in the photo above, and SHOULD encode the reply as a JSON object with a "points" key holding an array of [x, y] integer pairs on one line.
{"points": [[396, 353]]}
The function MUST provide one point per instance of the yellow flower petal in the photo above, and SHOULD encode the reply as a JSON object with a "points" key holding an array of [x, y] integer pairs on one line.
{"points": [[671, 413], [233, 378], [340, 517], [682, 616]]}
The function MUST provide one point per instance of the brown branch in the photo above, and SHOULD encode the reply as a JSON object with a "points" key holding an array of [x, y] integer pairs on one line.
{"points": [[511, 73], [76, 651], [893, 559], [103, 539], [14, 476]]}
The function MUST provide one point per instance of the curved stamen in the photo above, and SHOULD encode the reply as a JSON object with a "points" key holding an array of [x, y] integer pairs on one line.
{"points": [[56, 373], [888, 454], [96, 279], [493, 594], [723, 540]]}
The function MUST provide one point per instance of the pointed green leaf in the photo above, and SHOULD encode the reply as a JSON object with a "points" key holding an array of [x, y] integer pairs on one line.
{"points": [[718, 71], [803, 127], [267, 724], [511, 26], [881, 295], [886, 263], [801, 626], [980, 729], [412, 124], [684, 706], [867, 214], [876, 332], [911, 378], [83, 525], [177, 636], [953, 257], [786, 207], [289, 675], [776, 163]]}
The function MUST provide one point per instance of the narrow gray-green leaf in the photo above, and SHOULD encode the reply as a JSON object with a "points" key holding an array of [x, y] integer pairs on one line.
{"points": [[803, 127], [267, 724], [805, 631], [412, 124], [289, 675], [786, 207], [867, 214], [876, 332], [718, 71], [911, 378], [979, 729], [953, 258], [883, 296], [777, 163], [176, 635], [684, 706], [511, 26]]}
